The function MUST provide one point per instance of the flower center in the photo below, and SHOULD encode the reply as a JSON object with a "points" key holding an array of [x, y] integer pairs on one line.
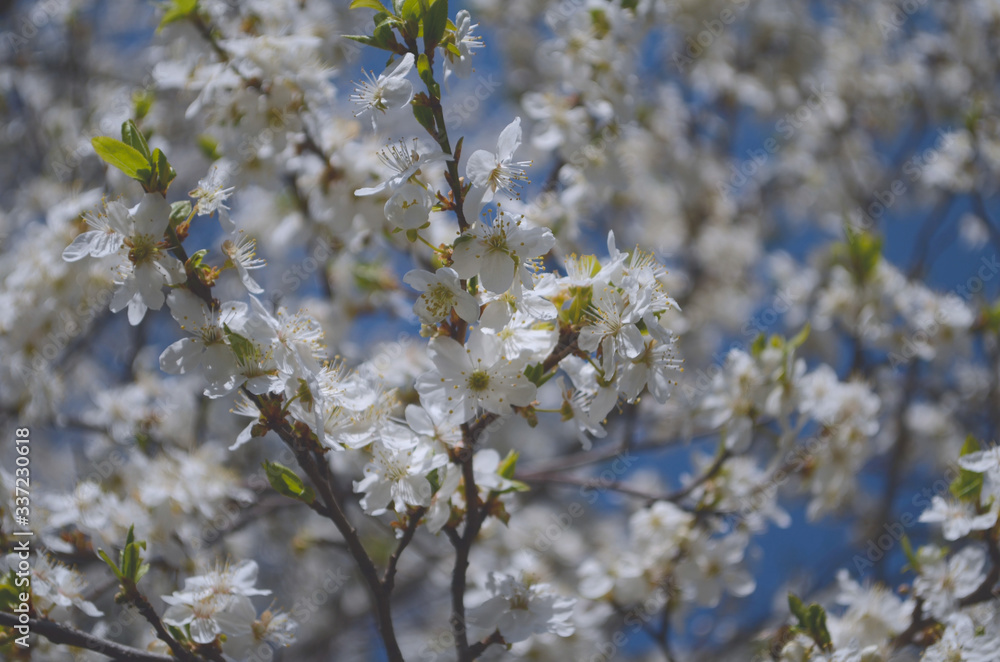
{"points": [[479, 381], [143, 248]]}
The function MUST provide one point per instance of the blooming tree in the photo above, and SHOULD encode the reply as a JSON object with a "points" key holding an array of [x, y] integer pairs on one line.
{"points": [[404, 405]]}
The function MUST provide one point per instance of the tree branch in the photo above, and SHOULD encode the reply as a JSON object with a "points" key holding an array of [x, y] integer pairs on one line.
{"points": [[58, 633], [389, 578]]}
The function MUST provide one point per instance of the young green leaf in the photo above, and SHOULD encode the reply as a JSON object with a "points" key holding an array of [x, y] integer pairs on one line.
{"points": [[435, 23], [164, 172], [286, 482], [176, 11], [367, 4], [179, 212], [133, 137], [111, 564], [122, 156], [509, 464], [427, 75]]}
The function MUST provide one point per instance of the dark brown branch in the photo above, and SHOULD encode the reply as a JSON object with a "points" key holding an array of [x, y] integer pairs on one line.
{"points": [[315, 465], [147, 611], [58, 633], [479, 648], [389, 578]]}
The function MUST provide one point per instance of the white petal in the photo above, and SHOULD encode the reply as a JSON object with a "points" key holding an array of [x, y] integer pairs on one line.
{"points": [[181, 356], [479, 167], [497, 272], [510, 139]]}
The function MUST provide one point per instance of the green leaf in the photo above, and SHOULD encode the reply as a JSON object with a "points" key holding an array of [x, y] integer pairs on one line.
{"points": [[910, 555], [9, 597], [796, 607], [286, 482], [361, 39], [969, 484], [425, 117], [427, 75], [800, 337], [209, 146], [164, 172], [860, 254], [142, 101], [411, 11], [509, 464], [195, 260], [130, 561], [435, 23], [970, 446], [131, 558], [122, 156], [111, 564], [133, 137], [176, 11], [179, 212], [812, 621], [367, 4], [435, 480]]}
